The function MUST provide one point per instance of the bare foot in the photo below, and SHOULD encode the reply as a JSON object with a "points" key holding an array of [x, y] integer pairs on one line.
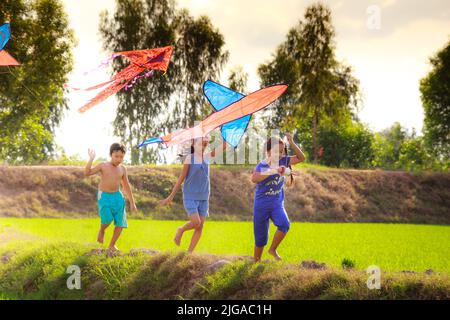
{"points": [[101, 236], [178, 236], [113, 248], [275, 254]]}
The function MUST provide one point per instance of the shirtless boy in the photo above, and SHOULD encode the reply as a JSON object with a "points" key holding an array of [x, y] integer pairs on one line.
{"points": [[111, 201]]}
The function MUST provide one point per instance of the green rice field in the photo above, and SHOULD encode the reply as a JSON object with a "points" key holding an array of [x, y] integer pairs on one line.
{"points": [[392, 247]]}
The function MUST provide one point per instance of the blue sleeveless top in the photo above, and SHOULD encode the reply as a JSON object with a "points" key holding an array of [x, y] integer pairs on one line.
{"points": [[196, 185]]}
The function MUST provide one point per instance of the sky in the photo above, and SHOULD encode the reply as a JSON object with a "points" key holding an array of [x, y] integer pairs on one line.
{"points": [[388, 44]]}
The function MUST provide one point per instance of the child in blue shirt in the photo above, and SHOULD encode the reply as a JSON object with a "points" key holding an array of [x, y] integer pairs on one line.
{"points": [[196, 189], [269, 195]]}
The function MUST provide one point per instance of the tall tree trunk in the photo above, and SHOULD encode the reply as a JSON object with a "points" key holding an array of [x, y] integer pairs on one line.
{"points": [[315, 120]]}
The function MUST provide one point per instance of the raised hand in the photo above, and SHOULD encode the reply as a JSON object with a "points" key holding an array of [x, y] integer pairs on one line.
{"points": [[289, 137], [91, 153]]}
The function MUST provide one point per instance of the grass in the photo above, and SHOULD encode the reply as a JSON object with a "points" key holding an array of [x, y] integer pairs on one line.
{"points": [[39, 272], [318, 194], [392, 247]]}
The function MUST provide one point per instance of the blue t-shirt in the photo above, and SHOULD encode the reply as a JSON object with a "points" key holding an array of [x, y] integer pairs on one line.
{"points": [[196, 185], [270, 191]]}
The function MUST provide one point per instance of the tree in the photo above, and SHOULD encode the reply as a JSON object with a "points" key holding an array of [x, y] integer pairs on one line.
{"points": [[397, 148], [200, 55], [435, 94], [319, 85], [346, 144], [164, 102], [413, 155], [387, 146], [32, 99], [237, 80]]}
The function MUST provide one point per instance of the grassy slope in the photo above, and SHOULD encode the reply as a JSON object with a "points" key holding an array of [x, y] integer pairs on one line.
{"points": [[39, 272], [319, 195], [390, 246]]}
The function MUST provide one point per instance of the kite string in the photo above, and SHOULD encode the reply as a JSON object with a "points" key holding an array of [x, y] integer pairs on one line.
{"points": [[34, 94]]}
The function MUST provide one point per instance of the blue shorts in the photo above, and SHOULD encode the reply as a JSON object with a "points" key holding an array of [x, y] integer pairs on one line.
{"points": [[261, 216], [111, 206], [196, 206]]}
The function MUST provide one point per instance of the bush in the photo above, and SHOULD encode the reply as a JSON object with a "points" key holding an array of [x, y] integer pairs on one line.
{"points": [[347, 263]]}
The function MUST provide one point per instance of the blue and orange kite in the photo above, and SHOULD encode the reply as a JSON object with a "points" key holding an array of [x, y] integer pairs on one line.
{"points": [[232, 113], [5, 58]]}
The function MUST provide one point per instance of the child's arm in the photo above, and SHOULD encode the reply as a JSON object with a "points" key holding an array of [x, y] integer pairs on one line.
{"points": [[127, 190], [259, 176], [88, 170], [299, 156], [178, 184]]}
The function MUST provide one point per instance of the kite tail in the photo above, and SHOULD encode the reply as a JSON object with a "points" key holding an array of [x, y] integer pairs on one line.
{"points": [[98, 86], [135, 79], [103, 64]]}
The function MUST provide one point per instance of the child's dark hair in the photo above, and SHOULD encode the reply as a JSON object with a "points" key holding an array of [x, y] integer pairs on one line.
{"points": [[269, 147], [117, 147]]}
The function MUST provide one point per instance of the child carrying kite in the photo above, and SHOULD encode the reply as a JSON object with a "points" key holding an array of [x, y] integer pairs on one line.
{"points": [[196, 189], [269, 195]]}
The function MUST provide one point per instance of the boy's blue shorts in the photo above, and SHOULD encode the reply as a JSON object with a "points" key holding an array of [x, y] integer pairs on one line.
{"points": [[261, 216], [196, 206], [111, 206]]}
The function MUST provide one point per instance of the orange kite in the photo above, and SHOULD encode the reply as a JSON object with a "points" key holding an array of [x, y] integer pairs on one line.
{"points": [[142, 64]]}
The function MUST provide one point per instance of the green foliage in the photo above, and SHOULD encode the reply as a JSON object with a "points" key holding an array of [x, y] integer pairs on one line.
{"points": [[413, 155], [319, 85], [39, 273], [396, 148], [344, 143], [435, 94], [347, 263], [31, 95], [164, 102], [200, 55], [393, 247], [63, 159], [231, 279], [25, 143], [388, 144], [348, 146], [237, 80]]}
